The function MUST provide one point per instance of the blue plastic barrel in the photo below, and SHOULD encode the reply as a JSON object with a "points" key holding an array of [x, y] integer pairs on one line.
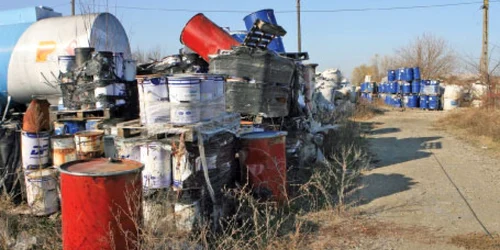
{"points": [[396, 101], [416, 73], [266, 15], [388, 100], [400, 74], [408, 74], [433, 102], [366, 96], [393, 87], [406, 88], [391, 75], [71, 127], [415, 86], [363, 87], [239, 35], [424, 102], [410, 101]]}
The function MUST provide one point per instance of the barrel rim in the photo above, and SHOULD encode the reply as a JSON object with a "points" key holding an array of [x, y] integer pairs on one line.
{"points": [[262, 10], [185, 26], [88, 133], [263, 135], [62, 169]]}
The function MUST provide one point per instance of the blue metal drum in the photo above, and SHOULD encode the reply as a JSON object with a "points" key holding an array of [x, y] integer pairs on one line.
{"points": [[396, 101], [400, 74], [408, 74], [416, 73], [410, 101], [424, 102], [415, 86], [434, 102], [393, 87], [266, 15], [406, 88], [391, 75]]}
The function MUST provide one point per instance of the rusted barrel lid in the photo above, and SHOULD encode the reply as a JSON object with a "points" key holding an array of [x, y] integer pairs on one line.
{"points": [[101, 167]]}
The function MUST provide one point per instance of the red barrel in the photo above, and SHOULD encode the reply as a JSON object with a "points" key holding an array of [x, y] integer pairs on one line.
{"points": [[264, 156], [205, 37], [101, 203]]}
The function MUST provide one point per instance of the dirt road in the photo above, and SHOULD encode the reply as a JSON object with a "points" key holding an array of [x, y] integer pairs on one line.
{"points": [[428, 179]]}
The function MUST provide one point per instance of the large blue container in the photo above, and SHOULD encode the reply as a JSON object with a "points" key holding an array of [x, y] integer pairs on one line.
{"points": [[391, 75], [396, 101], [424, 102], [363, 87], [367, 97], [408, 74], [381, 87], [266, 15], [393, 87], [410, 101], [388, 100], [416, 73], [400, 74], [239, 35], [415, 86], [406, 88], [434, 102]]}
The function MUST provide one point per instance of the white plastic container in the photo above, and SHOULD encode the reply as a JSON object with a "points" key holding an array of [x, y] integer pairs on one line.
{"points": [[35, 150], [157, 173], [185, 113], [184, 89], [450, 104], [153, 99], [41, 191]]}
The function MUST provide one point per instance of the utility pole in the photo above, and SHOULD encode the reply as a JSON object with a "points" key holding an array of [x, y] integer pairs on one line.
{"points": [[299, 35], [484, 67], [72, 7]]}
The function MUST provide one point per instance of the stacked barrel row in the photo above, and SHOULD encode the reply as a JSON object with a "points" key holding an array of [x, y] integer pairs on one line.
{"points": [[368, 89]]}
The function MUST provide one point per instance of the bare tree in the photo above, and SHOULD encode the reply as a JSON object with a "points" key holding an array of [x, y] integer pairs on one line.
{"points": [[359, 73], [432, 54], [142, 56]]}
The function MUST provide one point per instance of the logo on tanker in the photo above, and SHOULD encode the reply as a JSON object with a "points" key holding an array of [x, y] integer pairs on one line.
{"points": [[44, 49]]}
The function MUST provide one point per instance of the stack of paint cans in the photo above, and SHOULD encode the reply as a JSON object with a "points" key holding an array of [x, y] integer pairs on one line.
{"points": [[430, 95], [40, 178]]}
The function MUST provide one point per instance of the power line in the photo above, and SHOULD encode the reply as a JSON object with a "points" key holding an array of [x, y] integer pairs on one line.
{"points": [[303, 11]]}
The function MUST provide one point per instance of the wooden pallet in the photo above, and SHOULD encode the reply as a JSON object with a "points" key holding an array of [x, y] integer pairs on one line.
{"points": [[83, 114], [128, 129]]}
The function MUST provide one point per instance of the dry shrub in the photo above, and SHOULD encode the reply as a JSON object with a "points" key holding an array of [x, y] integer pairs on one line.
{"points": [[481, 122], [366, 110], [476, 241]]}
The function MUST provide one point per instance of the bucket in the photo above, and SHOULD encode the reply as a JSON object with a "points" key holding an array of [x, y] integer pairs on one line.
{"points": [[118, 66], [186, 215], [264, 156], [129, 70], [101, 204], [41, 191], [89, 144], [185, 113], [416, 73], [82, 55], [184, 89], [66, 64], [63, 149], [153, 99], [157, 167], [206, 38], [266, 15], [424, 102], [35, 150]]}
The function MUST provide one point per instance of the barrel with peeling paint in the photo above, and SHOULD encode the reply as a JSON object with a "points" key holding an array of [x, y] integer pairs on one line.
{"points": [[101, 203]]}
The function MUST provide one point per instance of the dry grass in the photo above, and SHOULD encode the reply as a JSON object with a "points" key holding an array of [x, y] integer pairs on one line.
{"points": [[366, 110], [480, 126], [476, 241]]}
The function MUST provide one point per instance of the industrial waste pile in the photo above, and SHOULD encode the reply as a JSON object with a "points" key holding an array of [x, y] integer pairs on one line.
{"points": [[230, 108]]}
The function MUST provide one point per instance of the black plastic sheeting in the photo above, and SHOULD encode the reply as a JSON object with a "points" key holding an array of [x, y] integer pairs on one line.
{"points": [[267, 99], [254, 64], [11, 164]]}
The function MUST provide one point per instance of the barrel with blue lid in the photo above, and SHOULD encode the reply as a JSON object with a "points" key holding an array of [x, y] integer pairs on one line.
{"points": [[415, 86], [266, 15], [184, 88], [393, 87], [400, 74], [396, 101], [408, 74], [406, 88], [410, 101], [424, 102], [416, 73], [391, 75], [434, 102]]}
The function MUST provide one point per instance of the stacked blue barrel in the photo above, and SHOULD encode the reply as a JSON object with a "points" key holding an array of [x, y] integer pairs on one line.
{"points": [[430, 95], [367, 91], [410, 81], [392, 89]]}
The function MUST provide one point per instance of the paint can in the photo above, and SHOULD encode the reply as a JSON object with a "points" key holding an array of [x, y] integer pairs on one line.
{"points": [[187, 215], [35, 150], [264, 156], [153, 99], [185, 113], [66, 64], [184, 89], [63, 149], [101, 203], [41, 191], [130, 70], [89, 144], [157, 172]]}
